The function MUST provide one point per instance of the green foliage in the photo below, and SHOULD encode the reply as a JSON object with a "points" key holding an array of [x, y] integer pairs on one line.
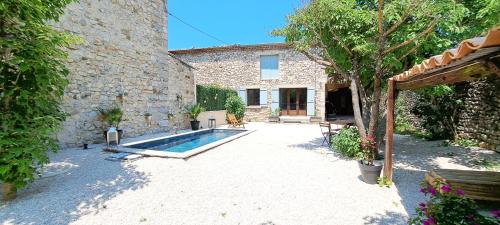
{"points": [[234, 105], [384, 182], [463, 142], [112, 116], [449, 206], [346, 142], [276, 112], [32, 81], [194, 111], [213, 97], [402, 123], [438, 108]]}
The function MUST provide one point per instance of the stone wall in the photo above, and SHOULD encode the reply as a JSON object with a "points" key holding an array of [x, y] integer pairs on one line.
{"points": [[480, 117], [241, 69], [122, 62]]}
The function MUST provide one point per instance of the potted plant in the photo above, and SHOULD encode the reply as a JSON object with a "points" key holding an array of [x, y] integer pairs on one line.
{"points": [[148, 116], [194, 111], [111, 118], [275, 115], [369, 169]]}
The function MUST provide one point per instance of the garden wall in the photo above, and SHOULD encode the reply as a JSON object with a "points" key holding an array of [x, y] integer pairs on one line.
{"points": [[480, 117], [123, 61]]}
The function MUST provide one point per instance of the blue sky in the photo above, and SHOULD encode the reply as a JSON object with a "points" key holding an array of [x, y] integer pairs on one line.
{"points": [[232, 21]]}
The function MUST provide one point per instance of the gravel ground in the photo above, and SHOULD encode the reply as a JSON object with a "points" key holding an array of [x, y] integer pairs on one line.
{"points": [[279, 174]]}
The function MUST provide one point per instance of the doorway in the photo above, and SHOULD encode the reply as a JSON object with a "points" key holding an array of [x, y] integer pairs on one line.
{"points": [[293, 101], [339, 103]]}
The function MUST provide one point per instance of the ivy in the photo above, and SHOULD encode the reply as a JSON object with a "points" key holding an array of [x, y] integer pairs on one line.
{"points": [[32, 81], [213, 97]]}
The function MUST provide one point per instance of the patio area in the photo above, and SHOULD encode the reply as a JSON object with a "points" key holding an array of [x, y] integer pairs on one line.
{"points": [[279, 174]]}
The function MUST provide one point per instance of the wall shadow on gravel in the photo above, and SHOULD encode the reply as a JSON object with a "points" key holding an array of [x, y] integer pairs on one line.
{"points": [[389, 218], [313, 144], [66, 197]]}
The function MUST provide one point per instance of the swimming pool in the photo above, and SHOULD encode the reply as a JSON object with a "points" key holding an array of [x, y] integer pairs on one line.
{"points": [[182, 145]]}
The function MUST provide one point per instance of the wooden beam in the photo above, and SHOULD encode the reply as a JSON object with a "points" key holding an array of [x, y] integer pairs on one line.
{"points": [[465, 73], [494, 68], [389, 129]]}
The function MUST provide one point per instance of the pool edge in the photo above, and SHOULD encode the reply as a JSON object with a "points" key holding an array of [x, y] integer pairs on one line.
{"points": [[183, 155]]}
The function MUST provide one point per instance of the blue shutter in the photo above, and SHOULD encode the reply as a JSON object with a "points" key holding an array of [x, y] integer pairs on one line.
{"points": [[311, 95], [275, 95], [263, 97], [243, 95]]}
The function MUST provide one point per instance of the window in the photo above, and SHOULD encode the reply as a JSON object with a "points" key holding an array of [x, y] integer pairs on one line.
{"points": [[269, 67], [253, 97]]}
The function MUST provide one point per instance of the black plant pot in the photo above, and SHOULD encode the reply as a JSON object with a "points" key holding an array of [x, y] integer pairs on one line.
{"points": [[120, 133], [195, 125], [370, 173]]}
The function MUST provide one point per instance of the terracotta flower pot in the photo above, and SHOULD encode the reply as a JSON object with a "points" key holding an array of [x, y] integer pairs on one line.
{"points": [[9, 191]]}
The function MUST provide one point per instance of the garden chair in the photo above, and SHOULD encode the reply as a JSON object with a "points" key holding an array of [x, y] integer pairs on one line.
{"points": [[328, 132], [234, 122]]}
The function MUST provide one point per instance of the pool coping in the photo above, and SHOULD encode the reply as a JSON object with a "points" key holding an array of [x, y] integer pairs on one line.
{"points": [[178, 155]]}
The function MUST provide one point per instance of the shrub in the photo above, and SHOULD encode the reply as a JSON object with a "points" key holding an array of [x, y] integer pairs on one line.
{"points": [[449, 206], [112, 116], [213, 97], [194, 111], [234, 105], [346, 142], [438, 108], [33, 76]]}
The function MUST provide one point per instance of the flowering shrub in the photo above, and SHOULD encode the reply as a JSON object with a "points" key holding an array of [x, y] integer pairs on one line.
{"points": [[449, 206], [346, 142], [368, 149]]}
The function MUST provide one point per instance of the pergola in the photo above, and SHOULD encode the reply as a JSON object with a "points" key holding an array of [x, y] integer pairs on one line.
{"points": [[472, 59]]}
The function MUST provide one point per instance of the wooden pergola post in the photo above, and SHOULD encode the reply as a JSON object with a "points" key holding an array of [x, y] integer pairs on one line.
{"points": [[391, 95]]}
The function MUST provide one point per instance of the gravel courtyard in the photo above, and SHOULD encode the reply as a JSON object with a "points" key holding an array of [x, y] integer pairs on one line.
{"points": [[279, 174]]}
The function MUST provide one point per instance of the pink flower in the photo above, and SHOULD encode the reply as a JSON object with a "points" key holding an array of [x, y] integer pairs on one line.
{"points": [[496, 213], [432, 191], [446, 188], [460, 192], [423, 190], [429, 221], [422, 206]]}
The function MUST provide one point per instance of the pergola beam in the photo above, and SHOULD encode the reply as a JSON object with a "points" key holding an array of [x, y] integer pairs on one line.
{"points": [[468, 72], [391, 95]]}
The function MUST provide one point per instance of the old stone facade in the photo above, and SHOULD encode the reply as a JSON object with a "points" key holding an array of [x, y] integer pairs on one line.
{"points": [[480, 117], [123, 61], [238, 67]]}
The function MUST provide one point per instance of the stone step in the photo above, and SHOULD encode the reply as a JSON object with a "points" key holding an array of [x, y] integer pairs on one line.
{"points": [[294, 119]]}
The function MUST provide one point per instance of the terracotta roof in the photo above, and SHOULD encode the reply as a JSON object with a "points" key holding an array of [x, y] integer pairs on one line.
{"points": [[268, 46], [465, 48]]}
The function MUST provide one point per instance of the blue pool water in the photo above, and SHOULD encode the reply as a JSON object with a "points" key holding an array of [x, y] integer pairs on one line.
{"points": [[186, 142]]}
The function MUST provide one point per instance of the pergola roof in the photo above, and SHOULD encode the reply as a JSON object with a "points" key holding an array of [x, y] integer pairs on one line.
{"points": [[467, 50], [473, 58]]}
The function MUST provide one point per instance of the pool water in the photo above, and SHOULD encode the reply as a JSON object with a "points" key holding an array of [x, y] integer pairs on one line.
{"points": [[186, 142]]}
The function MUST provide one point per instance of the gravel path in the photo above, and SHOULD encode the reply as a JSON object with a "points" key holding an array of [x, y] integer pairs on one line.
{"points": [[279, 174]]}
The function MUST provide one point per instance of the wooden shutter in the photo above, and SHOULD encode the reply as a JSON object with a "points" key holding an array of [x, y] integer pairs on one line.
{"points": [[275, 95], [311, 96], [263, 97]]}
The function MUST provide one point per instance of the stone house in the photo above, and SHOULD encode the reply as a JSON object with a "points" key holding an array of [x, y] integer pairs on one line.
{"points": [[268, 77], [123, 61]]}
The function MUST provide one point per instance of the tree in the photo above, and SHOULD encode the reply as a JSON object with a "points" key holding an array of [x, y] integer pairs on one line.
{"points": [[32, 82], [368, 41]]}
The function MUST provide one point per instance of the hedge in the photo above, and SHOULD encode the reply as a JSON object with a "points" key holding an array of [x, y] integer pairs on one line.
{"points": [[213, 97]]}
